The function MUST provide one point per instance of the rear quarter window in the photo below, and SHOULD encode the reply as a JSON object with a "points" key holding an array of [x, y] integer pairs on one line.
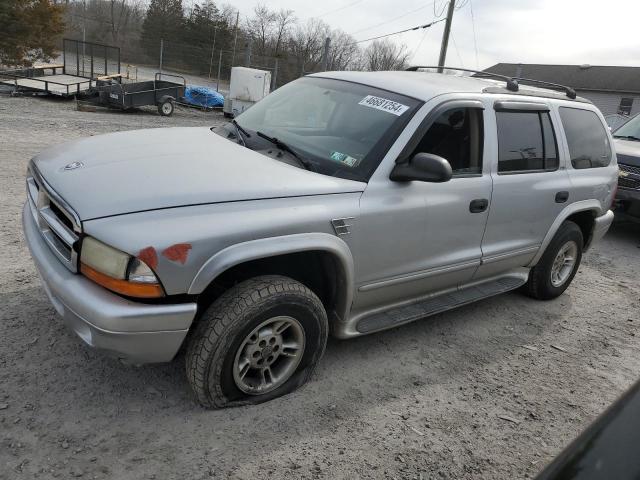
{"points": [[587, 139]]}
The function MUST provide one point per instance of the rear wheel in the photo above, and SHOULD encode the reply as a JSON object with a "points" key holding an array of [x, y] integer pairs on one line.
{"points": [[260, 340], [165, 108], [559, 263]]}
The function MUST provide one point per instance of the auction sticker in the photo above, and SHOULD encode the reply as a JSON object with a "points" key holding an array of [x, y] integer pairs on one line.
{"points": [[384, 104]]}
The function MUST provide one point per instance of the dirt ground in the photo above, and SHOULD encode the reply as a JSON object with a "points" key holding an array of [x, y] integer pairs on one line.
{"points": [[492, 390]]}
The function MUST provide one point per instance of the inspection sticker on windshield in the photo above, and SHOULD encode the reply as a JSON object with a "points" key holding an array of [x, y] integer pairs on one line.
{"points": [[383, 104], [348, 160]]}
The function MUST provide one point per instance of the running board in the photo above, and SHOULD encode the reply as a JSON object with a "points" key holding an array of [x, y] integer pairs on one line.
{"points": [[432, 305]]}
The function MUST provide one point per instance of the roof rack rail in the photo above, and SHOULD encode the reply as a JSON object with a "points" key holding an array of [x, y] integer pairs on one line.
{"points": [[571, 93], [512, 83]]}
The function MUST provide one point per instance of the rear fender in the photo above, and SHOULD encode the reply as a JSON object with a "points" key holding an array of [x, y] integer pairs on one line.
{"points": [[581, 206], [165, 98]]}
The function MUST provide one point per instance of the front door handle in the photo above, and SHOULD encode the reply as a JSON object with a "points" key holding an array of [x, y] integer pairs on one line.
{"points": [[478, 205], [562, 197]]}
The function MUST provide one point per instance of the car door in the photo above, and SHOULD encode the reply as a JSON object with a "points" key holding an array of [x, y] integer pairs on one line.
{"points": [[415, 238], [530, 185]]}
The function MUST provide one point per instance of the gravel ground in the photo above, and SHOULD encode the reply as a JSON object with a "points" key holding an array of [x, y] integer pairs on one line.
{"points": [[492, 390]]}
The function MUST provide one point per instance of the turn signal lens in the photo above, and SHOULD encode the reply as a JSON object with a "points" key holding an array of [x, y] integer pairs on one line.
{"points": [[139, 272], [123, 287]]}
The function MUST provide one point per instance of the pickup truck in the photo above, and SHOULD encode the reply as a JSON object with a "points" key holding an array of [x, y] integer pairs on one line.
{"points": [[344, 203]]}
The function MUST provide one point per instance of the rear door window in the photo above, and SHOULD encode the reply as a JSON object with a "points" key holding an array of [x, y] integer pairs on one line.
{"points": [[526, 142], [587, 139]]}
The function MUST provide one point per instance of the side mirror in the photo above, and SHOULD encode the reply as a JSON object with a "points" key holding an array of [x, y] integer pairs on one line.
{"points": [[423, 167]]}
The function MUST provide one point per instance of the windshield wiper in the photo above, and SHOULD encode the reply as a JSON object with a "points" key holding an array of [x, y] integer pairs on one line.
{"points": [[283, 146], [627, 137], [240, 130]]}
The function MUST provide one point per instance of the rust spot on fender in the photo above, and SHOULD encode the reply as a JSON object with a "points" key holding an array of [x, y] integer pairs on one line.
{"points": [[149, 256], [178, 252]]}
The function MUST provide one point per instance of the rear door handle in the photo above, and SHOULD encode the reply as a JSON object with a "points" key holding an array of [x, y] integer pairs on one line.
{"points": [[478, 205], [562, 197]]}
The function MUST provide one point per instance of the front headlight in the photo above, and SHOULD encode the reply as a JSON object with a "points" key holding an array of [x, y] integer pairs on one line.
{"points": [[118, 271]]}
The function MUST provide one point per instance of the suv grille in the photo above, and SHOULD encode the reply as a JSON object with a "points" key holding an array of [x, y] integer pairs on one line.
{"points": [[629, 168], [632, 180], [58, 224]]}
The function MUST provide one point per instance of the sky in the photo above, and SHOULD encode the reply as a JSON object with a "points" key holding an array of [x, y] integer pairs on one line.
{"points": [[528, 31]]}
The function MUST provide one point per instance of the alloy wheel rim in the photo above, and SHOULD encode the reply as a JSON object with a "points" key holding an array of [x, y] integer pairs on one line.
{"points": [[166, 107], [564, 263], [269, 355]]}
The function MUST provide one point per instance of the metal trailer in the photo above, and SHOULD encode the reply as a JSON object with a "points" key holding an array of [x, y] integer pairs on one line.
{"points": [[162, 93], [83, 63]]}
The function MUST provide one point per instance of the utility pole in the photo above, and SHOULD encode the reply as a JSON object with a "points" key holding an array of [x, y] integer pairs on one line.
{"points": [[445, 36], [235, 39], [213, 47], [325, 54]]}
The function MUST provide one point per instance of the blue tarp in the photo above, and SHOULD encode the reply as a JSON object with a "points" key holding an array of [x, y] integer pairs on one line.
{"points": [[202, 97]]}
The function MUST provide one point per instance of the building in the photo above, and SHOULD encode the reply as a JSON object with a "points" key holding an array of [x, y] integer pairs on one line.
{"points": [[612, 89]]}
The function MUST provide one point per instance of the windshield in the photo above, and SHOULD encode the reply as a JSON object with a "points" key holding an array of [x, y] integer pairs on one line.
{"points": [[630, 130], [338, 128]]}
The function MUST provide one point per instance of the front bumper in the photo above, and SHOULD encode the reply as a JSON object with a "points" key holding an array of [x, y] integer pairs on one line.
{"points": [[133, 332], [601, 226]]}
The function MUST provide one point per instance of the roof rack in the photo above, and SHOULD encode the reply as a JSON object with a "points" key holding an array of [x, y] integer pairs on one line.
{"points": [[512, 82], [571, 93]]}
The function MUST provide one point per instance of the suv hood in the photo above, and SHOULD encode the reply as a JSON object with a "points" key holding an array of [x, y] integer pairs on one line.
{"points": [[627, 151], [157, 168]]}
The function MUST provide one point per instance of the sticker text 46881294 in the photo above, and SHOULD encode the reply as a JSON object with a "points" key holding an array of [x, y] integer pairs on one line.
{"points": [[384, 104]]}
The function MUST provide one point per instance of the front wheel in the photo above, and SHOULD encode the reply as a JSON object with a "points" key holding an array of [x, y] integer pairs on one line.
{"points": [[261, 339], [558, 265]]}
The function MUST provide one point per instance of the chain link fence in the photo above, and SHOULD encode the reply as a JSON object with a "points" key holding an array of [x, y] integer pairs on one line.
{"points": [[209, 65]]}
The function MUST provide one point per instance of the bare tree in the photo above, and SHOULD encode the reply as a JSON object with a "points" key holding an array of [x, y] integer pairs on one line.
{"points": [[344, 53], [307, 42], [260, 28], [284, 19], [385, 55], [121, 14]]}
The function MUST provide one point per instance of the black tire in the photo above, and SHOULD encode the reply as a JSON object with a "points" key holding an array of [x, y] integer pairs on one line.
{"points": [[166, 108], [540, 285], [225, 325]]}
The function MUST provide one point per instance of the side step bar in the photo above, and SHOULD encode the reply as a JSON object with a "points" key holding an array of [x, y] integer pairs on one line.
{"points": [[430, 306]]}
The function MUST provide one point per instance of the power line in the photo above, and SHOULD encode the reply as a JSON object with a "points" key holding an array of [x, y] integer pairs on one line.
{"points": [[419, 27], [386, 22], [339, 9], [435, 13], [424, 35], [453, 39]]}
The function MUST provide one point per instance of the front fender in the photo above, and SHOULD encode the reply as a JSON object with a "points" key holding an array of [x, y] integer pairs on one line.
{"points": [[273, 246]]}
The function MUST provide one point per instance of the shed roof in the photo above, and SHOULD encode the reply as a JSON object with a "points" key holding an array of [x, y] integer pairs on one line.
{"points": [[579, 77]]}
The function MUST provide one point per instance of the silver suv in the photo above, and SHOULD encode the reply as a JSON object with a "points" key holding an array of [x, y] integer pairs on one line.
{"points": [[344, 202]]}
